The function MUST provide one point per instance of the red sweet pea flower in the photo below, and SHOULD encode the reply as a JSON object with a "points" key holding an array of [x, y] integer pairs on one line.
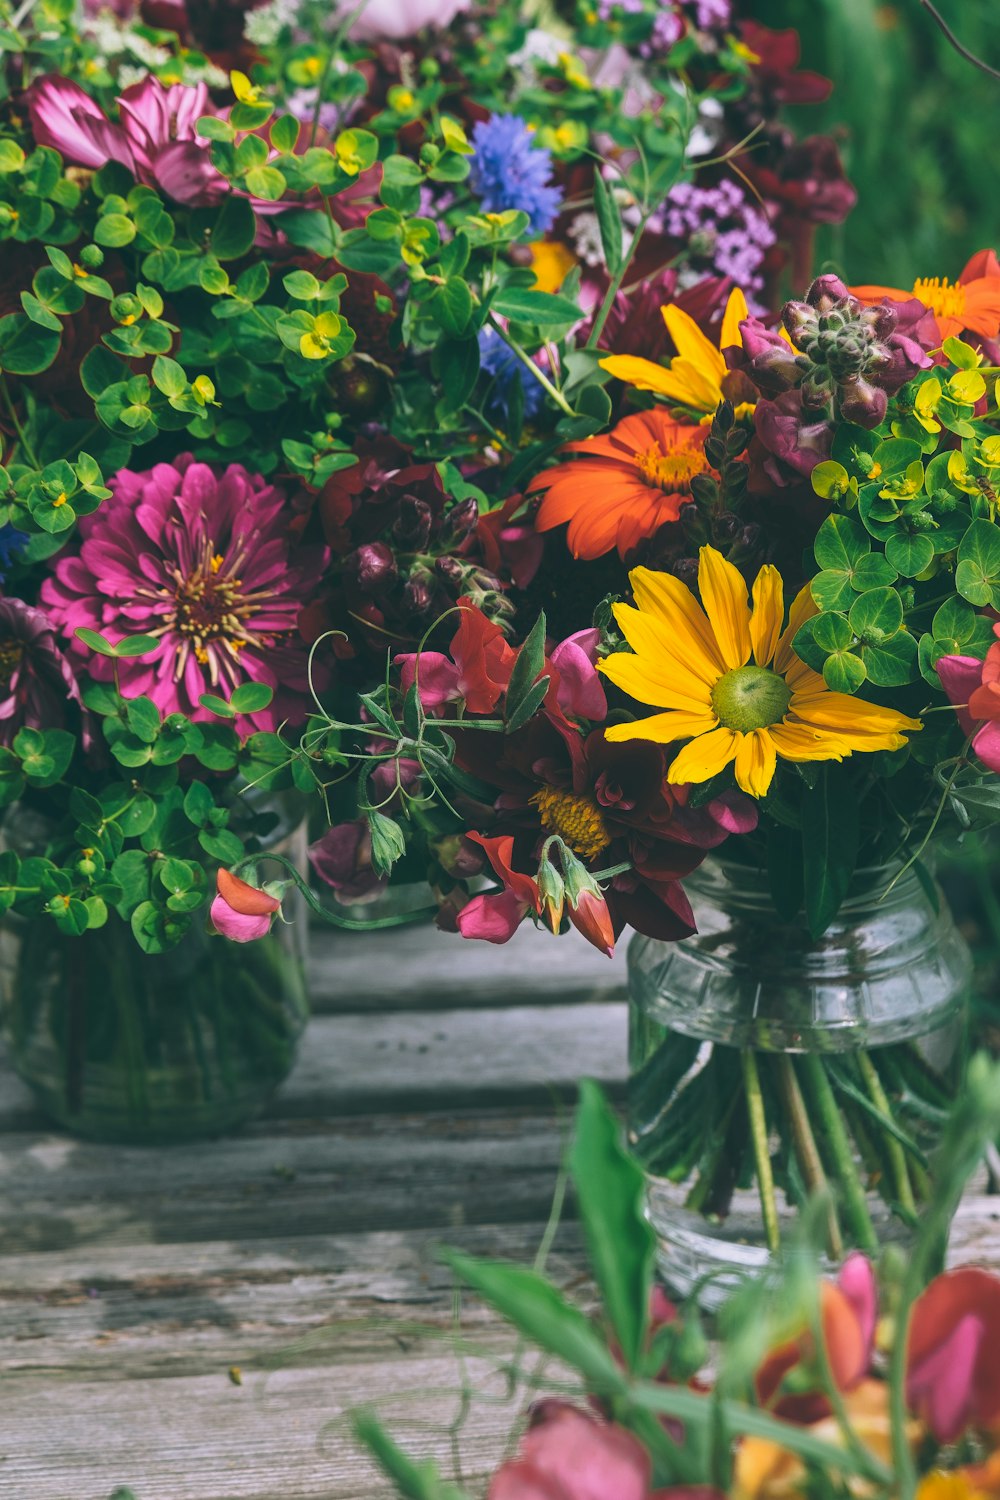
{"points": [[849, 1311], [477, 671], [495, 916], [973, 686]]}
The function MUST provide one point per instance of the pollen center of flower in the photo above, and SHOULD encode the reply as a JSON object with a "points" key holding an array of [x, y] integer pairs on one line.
{"points": [[670, 472], [750, 698], [11, 652], [943, 299], [576, 819]]}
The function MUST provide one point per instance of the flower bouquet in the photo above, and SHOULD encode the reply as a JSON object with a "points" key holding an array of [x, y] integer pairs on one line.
{"points": [[284, 325], [799, 665], [883, 1385]]}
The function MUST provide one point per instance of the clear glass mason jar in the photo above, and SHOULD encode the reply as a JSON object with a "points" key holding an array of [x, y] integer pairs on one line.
{"points": [[119, 1045], [766, 1067]]}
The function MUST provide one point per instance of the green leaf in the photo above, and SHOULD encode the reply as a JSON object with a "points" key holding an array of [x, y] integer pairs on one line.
{"points": [[843, 672], [528, 666], [143, 718], [25, 347], [893, 663], [610, 1192], [414, 1481], [114, 230], [877, 615], [285, 133], [543, 1315], [217, 706], [235, 229], [829, 845], [609, 221], [451, 306], [136, 645], [169, 376], [266, 182], [819, 637], [95, 642], [251, 697], [534, 307], [977, 576], [909, 554]]}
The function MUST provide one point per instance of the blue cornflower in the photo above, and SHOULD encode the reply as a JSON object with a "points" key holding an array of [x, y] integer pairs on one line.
{"points": [[510, 171], [498, 360], [12, 544]]}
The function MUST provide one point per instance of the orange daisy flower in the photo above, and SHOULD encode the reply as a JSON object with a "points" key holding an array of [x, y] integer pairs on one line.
{"points": [[624, 486], [971, 304]]}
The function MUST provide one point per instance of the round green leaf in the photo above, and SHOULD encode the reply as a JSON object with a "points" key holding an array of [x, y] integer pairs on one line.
{"points": [[910, 555], [843, 672], [877, 615]]}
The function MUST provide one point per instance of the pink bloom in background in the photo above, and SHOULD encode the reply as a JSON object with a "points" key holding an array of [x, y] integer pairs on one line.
{"points": [[342, 858], [569, 1454], [240, 911], [156, 138], [974, 687], [399, 18], [575, 681], [204, 562], [36, 680]]}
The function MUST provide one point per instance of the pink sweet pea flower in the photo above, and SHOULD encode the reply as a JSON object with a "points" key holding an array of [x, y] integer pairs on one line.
{"points": [[953, 1354], [495, 916], [578, 689], [477, 671], [974, 687], [240, 911]]}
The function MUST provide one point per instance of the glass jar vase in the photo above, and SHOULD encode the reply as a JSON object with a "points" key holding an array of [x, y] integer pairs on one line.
{"points": [[119, 1045], [766, 1068]]}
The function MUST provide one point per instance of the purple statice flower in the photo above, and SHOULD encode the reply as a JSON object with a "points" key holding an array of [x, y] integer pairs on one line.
{"points": [[608, 9], [36, 680], [509, 171], [709, 14], [12, 544], [498, 360], [725, 234], [203, 560]]}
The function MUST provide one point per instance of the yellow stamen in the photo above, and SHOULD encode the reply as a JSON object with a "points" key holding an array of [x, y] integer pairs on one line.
{"points": [[576, 819], [671, 472], [60, 499], [944, 299]]}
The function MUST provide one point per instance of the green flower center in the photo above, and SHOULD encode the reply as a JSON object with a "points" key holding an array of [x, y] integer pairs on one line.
{"points": [[750, 698]]}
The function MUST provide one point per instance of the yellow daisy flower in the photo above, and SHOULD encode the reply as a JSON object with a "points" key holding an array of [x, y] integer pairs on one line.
{"points": [[696, 373], [696, 664]]}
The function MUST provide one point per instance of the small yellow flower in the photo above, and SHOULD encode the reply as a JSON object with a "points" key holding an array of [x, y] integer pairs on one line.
{"points": [[695, 376], [551, 262], [696, 665]]}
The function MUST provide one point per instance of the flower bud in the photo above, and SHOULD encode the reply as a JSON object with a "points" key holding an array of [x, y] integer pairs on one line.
{"points": [[862, 402], [412, 527], [373, 567], [588, 910], [461, 519], [826, 292], [91, 257], [417, 597], [553, 893]]}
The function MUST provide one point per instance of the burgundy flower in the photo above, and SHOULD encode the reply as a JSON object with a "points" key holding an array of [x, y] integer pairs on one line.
{"points": [[36, 680], [202, 561], [795, 441], [342, 858]]}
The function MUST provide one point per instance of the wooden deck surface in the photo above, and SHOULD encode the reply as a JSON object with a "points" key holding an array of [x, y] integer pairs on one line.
{"points": [[429, 1104]]}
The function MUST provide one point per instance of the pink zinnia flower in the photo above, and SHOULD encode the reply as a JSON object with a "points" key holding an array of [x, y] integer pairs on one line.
{"points": [[204, 562], [156, 138], [36, 680]]}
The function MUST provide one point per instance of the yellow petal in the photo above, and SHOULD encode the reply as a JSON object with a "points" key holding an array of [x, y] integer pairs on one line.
{"points": [[736, 312], [851, 717], [664, 727], [756, 759], [768, 614], [673, 605], [654, 674], [644, 374], [703, 390], [797, 742], [692, 343], [803, 608], [704, 757], [724, 595]]}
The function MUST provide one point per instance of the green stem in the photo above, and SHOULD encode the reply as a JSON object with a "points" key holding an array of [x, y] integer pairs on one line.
{"points": [[22, 436], [807, 1151], [758, 1132], [840, 1154], [529, 363], [893, 1150], [400, 919], [615, 284]]}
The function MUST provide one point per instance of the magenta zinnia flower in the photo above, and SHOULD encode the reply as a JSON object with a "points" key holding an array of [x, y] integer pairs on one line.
{"points": [[36, 680], [204, 562]]}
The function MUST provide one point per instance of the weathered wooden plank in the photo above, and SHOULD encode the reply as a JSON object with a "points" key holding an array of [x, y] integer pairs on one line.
{"points": [[204, 1438], [420, 968], [351, 1064], [114, 1313], [280, 1178]]}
